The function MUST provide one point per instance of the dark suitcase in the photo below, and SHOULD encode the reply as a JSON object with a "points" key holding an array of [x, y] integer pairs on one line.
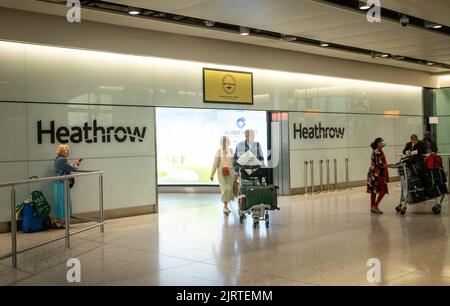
{"points": [[437, 176], [436, 183], [415, 164], [437, 191], [432, 192], [416, 191], [255, 195], [442, 188]]}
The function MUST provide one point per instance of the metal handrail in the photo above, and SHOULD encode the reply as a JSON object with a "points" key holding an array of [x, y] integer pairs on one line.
{"points": [[51, 178], [441, 154], [67, 216], [347, 179]]}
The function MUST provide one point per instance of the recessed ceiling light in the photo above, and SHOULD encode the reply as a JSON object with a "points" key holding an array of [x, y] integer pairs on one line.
{"points": [[287, 38], [429, 25], [244, 31], [364, 6], [134, 11], [324, 44]]}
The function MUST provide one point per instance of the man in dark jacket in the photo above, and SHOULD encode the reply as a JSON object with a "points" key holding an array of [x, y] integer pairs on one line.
{"points": [[430, 145], [415, 145]]}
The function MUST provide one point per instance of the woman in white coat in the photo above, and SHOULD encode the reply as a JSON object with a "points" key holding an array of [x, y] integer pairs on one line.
{"points": [[223, 162]]}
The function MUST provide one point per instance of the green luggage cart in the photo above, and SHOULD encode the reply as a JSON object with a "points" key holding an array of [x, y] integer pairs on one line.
{"points": [[256, 199]]}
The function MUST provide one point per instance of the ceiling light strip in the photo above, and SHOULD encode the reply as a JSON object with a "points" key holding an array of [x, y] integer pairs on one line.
{"points": [[242, 30]]}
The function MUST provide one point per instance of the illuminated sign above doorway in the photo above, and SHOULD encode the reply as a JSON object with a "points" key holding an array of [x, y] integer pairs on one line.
{"points": [[225, 86]]}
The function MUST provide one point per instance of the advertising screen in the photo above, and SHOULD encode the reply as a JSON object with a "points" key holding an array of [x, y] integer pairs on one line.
{"points": [[187, 141]]}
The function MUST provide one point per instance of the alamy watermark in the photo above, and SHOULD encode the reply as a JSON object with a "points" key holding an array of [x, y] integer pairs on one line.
{"points": [[374, 273], [374, 12], [74, 273], [74, 13]]}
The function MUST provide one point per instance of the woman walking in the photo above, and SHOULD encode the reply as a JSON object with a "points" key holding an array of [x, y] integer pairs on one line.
{"points": [[223, 162], [378, 175]]}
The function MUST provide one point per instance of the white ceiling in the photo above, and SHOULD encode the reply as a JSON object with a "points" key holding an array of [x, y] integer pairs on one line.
{"points": [[432, 10], [305, 18], [315, 20]]}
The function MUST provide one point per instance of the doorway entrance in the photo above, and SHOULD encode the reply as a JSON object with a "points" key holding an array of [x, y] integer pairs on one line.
{"points": [[188, 138]]}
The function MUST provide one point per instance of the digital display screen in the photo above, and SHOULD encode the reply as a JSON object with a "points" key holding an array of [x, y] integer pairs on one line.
{"points": [[188, 139]]}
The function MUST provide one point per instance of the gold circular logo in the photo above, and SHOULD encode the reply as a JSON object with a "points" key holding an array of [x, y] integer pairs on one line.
{"points": [[229, 84]]}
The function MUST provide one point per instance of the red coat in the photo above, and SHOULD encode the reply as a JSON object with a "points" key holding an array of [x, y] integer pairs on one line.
{"points": [[378, 173]]}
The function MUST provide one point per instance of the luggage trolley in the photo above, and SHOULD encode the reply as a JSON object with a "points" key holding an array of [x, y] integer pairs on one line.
{"points": [[413, 191], [256, 197]]}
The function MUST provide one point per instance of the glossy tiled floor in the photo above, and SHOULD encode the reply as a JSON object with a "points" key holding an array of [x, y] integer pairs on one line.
{"points": [[324, 239]]}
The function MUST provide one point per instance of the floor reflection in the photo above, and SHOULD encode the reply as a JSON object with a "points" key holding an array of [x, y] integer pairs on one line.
{"points": [[325, 239]]}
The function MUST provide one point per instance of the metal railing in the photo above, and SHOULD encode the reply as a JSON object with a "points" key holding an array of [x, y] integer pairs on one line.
{"points": [[324, 186], [328, 174], [321, 175], [346, 174], [335, 174], [67, 217]]}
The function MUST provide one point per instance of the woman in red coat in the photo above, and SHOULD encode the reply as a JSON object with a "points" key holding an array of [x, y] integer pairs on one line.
{"points": [[378, 175]]}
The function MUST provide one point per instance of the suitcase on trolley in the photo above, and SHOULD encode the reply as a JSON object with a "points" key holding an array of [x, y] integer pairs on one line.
{"points": [[415, 164], [416, 191], [436, 183], [437, 190], [438, 176], [255, 195]]}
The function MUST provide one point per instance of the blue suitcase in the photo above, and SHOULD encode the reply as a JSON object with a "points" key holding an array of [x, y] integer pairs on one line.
{"points": [[31, 223]]}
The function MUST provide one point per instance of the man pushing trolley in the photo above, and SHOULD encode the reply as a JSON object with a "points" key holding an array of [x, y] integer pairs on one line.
{"points": [[256, 196]]}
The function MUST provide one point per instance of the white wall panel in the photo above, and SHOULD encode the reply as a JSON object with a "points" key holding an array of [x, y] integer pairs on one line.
{"points": [[12, 72], [298, 157], [130, 178], [128, 182], [57, 75], [69, 75], [79, 76], [71, 116], [363, 129], [13, 132], [177, 83], [360, 131], [408, 100], [11, 171], [308, 122], [405, 127]]}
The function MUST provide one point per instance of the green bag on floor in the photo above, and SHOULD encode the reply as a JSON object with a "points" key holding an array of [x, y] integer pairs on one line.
{"points": [[19, 210], [41, 205]]}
